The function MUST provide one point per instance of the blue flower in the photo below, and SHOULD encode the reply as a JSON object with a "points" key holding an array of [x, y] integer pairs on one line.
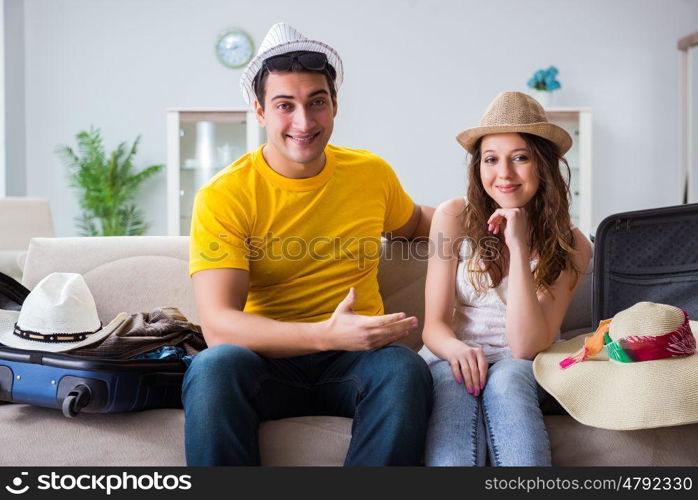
{"points": [[545, 79]]}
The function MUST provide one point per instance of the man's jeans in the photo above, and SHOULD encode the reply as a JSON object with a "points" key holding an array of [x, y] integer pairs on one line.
{"points": [[504, 420], [228, 390]]}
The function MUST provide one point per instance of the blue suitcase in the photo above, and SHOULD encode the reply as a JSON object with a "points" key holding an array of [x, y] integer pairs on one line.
{"points": [[74, 384]]}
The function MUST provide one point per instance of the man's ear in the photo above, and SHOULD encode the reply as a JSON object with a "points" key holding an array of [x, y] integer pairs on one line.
{"points": [[334, 105], [259, 112]]}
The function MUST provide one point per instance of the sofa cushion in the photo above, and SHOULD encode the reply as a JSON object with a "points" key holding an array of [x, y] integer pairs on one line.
{"points": [[580, 445], [131, 274], [43, 436], [305, 441], [401, 276], [112, 285]]}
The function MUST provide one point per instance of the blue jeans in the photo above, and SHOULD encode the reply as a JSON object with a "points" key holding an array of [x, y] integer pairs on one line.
{"points": [[228, 390], [504, 420]]}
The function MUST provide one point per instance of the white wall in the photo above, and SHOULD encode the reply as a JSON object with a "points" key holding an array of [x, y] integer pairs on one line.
{"points": [[15, 140], [417, 72], [3, 188]]}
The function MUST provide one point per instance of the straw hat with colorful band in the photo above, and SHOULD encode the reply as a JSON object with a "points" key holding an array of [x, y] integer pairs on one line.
{"points": [[281, 39], [646, 377], [644, 347], [515, 112], [58, 315]]}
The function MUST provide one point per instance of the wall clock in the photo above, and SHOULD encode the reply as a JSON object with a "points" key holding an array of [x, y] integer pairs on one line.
{"points": [[234, 48]]}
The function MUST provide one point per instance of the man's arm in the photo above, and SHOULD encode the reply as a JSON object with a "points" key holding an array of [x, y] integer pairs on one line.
{"points": [[220, 299], [418, 226]]}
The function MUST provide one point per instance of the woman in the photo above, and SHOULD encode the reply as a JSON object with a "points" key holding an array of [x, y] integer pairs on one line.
{"points": [[509, 252]]}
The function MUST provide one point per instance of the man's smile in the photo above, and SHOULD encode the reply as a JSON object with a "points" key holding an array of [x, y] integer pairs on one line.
{"points": [[303, 139]]}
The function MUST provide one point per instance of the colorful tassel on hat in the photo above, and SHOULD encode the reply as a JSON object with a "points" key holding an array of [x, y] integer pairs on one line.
{"points": [[592, 345]]}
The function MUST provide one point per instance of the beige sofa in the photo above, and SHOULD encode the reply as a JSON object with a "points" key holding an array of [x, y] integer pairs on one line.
{"points": [[138, 273]]}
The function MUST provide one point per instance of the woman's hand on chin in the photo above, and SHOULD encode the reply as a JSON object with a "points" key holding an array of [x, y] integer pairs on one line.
{"points": [[514, 223]]}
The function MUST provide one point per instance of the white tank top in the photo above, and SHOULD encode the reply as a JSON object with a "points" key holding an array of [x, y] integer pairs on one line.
{"points": [[479, 320]]}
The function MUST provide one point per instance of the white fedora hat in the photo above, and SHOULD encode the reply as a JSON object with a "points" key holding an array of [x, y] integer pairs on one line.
{"points": [[637, 371], [281, 39], [58, 315]]}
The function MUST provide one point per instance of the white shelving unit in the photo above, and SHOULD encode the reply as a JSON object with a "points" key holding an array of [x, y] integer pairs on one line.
{"points": [[577, 122], [200, 142]]}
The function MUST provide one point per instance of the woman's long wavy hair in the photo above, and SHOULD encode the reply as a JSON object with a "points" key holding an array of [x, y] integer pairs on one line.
{"points": [[548, 216]]}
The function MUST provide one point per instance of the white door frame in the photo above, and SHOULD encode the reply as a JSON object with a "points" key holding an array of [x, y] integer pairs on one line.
{"points": [[3, 137], [689, 117]]}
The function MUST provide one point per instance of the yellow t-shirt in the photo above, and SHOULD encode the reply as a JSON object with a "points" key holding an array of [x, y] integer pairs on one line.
{"points": [[305, 242]]}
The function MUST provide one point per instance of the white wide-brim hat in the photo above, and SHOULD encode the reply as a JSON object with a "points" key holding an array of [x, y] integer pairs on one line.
{"points": [[281, 39], [605, 393], [58, 315]]}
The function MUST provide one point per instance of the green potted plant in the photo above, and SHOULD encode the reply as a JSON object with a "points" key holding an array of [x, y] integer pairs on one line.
{"points": [[106, 185]]}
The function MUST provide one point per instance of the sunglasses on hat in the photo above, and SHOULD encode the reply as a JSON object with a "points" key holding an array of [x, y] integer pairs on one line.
{"points": [[312, 61]]}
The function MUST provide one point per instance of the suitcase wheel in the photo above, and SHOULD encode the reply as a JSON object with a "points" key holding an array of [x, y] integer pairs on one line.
{"points": [[76, 400]]}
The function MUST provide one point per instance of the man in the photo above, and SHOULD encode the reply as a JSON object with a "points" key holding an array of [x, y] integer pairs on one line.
{"points": [[284, 251]]}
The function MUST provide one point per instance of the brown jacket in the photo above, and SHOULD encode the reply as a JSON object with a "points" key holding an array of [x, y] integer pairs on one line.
{"points": [[145, 332]]}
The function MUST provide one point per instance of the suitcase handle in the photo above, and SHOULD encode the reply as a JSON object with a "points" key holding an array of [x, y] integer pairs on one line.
{"points": [[76, 400]]}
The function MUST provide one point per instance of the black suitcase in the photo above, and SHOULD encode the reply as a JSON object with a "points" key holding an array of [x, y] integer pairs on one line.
{"points": [[646, 255], [12, 293], [73, 383]]}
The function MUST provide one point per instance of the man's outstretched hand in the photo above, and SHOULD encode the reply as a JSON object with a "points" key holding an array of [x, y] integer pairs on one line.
{"points": [[348, 331]]}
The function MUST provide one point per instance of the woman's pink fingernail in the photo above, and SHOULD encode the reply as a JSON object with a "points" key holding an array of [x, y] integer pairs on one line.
{"points": [[482, 385], [459, 380], [470, 390]]}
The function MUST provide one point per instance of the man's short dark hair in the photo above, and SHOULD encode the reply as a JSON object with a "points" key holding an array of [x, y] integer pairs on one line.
{"points": [[260, 79]]}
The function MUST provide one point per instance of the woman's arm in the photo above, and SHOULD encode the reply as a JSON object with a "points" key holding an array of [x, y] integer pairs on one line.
{"points": [[467, 363], [534, 318]]}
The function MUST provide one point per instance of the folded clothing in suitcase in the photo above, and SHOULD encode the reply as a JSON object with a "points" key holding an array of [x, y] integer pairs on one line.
{"points": [[646, 255], [73, 383]]}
